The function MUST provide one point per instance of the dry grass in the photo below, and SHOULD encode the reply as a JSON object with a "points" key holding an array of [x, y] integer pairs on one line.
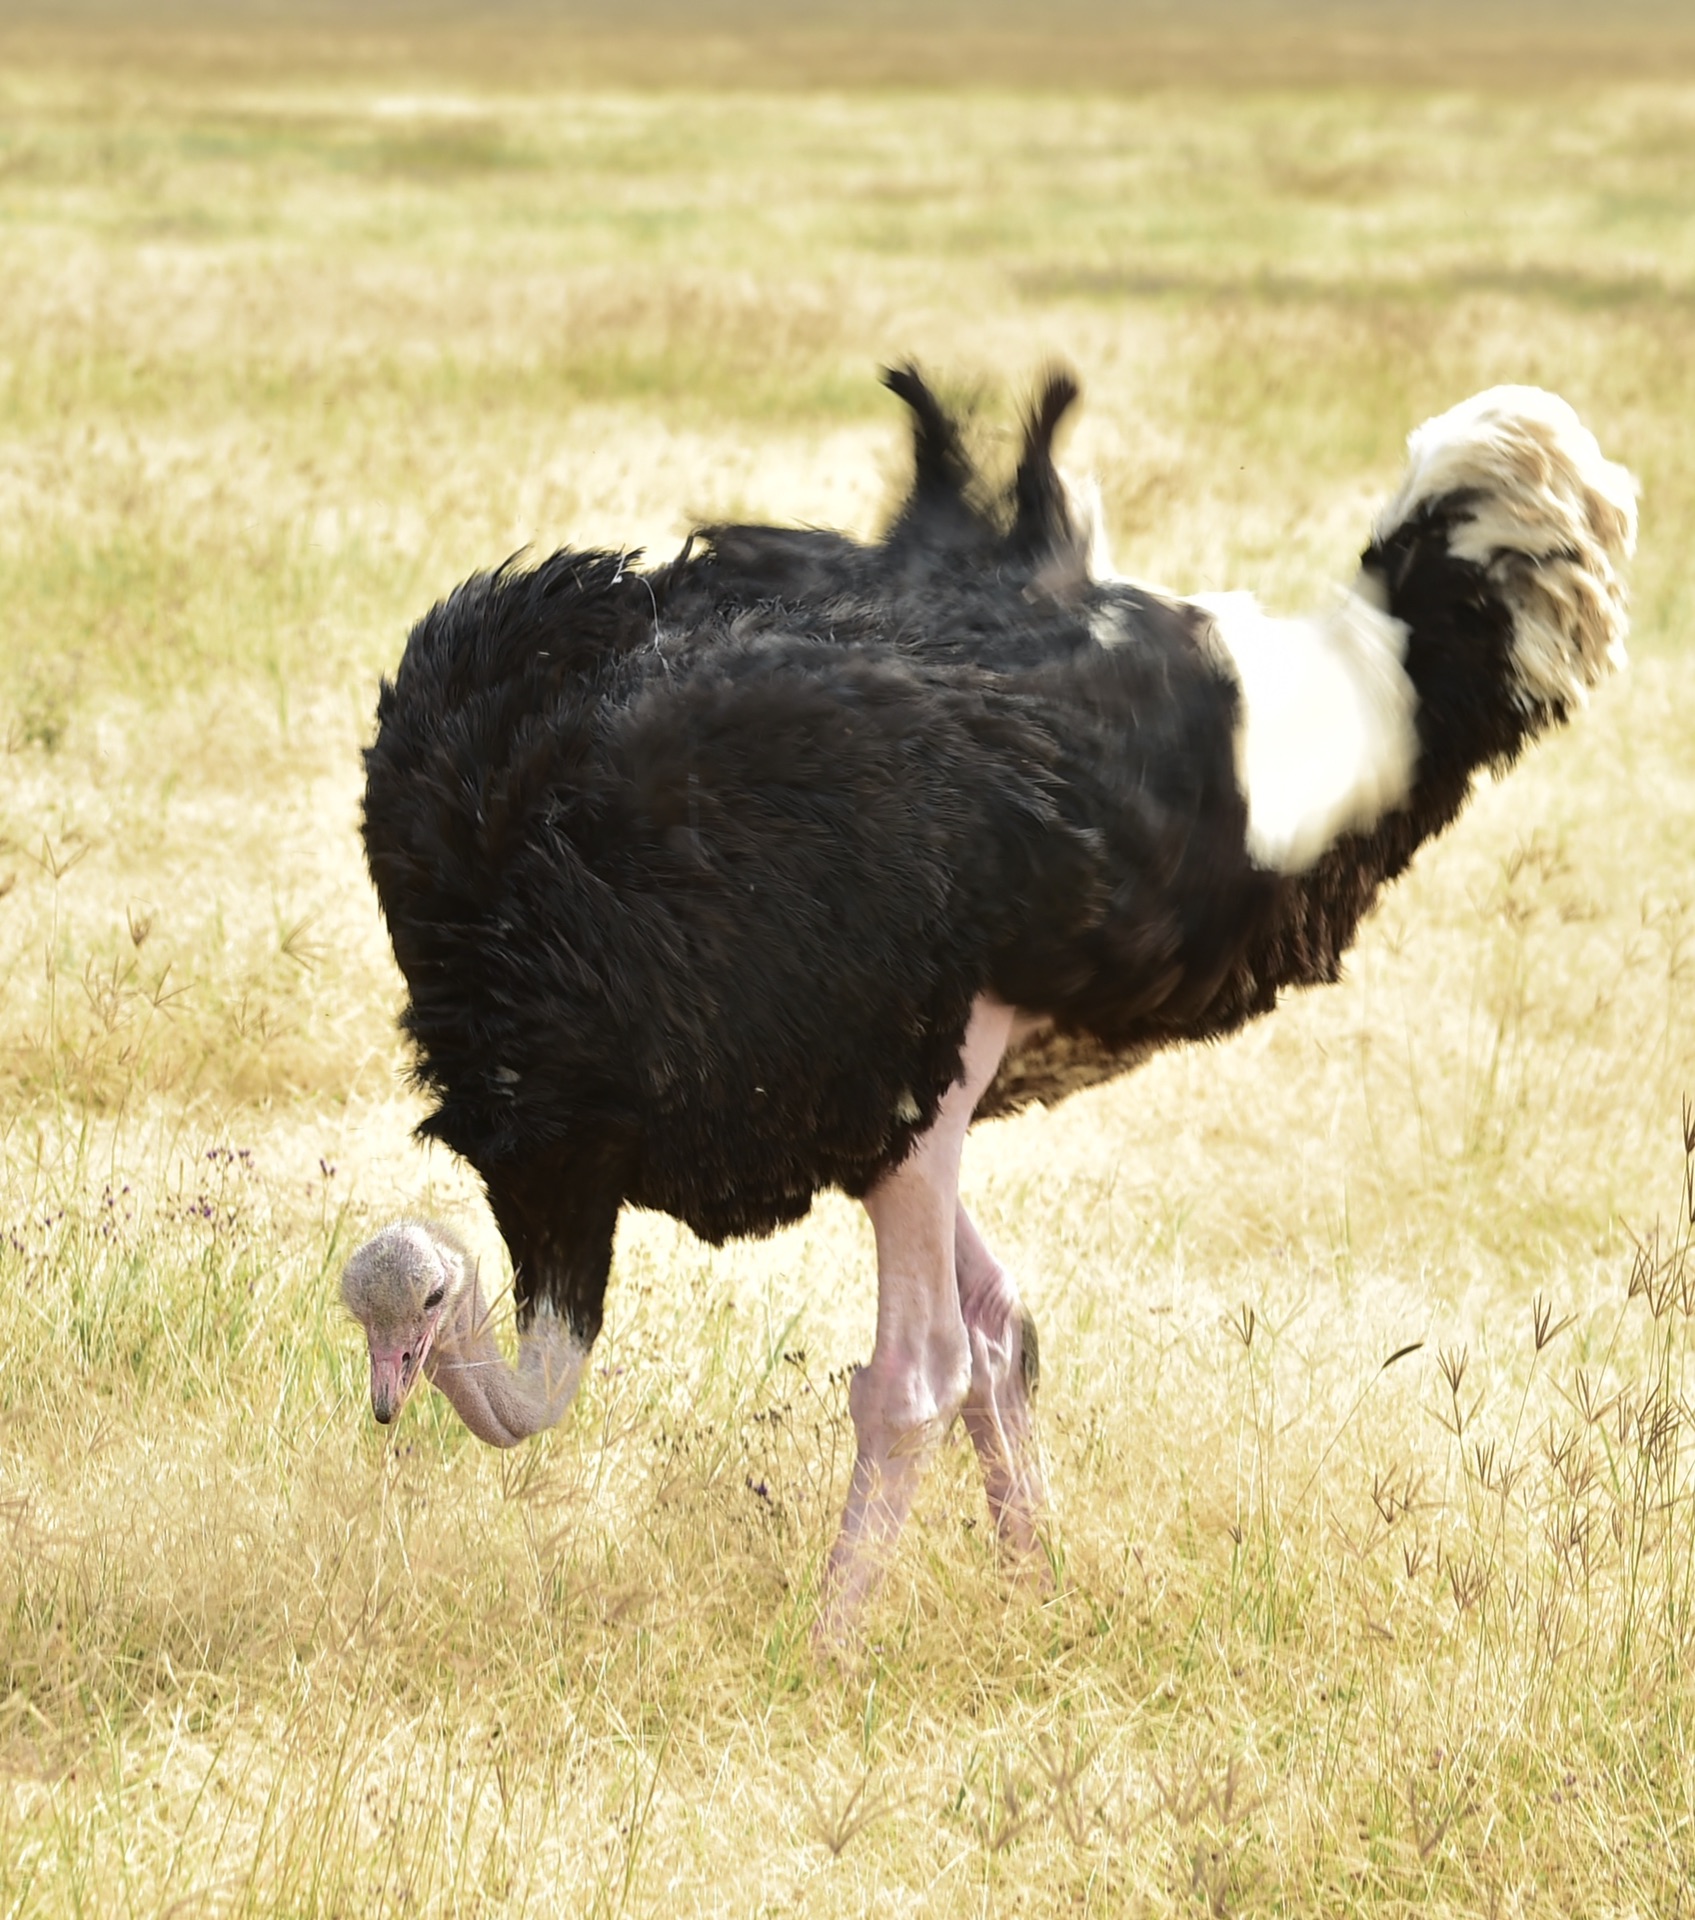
{"points": [[283, 353]]}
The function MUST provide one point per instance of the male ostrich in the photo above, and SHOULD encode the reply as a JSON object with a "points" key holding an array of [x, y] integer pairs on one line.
{"points": [[770, 869]]}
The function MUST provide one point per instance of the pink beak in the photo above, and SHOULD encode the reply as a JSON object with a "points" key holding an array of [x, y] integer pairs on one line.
{"points": [[394, 1372]]}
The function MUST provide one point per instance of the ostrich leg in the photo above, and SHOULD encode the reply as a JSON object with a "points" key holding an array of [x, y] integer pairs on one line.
{"points": [[1003, 1379], [920, 1371]]}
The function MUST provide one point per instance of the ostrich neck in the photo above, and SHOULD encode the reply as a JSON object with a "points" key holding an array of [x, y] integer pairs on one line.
{"points": [[501, 1403], [1324, 907]]}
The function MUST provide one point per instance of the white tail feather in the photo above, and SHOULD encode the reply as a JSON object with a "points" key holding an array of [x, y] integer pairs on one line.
{"points": [[1548, 517]]}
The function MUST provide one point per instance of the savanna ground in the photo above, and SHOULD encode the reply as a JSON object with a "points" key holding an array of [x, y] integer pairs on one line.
{"points": [[290, 342]]}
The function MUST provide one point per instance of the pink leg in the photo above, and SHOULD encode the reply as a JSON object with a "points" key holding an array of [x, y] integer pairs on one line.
{"points": [[1003, 1376], [920, 1370]]}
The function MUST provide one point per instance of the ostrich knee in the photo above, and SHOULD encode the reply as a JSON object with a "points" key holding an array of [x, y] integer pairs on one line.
{"points": [[902, 1409]]}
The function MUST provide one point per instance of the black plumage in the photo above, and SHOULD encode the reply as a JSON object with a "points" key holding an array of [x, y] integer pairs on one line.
{"points": [[694, 874]]}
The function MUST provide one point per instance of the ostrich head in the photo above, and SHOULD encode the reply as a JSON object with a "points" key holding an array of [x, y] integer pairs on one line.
{"points": [[407, 1288], [414, 1290]]}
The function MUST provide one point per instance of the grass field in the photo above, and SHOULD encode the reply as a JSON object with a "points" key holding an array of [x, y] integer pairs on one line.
{"points": [[286, 349]]}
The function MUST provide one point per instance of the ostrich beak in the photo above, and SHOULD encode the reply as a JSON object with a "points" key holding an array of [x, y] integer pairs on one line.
{"points": [[395, 1367]]}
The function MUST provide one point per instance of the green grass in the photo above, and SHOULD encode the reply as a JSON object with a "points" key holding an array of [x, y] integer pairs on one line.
{"points": [[287, 346]]}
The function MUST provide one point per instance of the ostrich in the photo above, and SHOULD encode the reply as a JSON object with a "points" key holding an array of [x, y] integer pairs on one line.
{"points": [[771, 868]]}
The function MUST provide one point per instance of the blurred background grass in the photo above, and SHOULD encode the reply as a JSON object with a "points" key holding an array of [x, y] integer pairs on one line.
{"points": [[308, 313], [814, 44]]}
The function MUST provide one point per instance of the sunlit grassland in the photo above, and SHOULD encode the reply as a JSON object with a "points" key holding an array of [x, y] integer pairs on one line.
{"points": [[282, 357]]}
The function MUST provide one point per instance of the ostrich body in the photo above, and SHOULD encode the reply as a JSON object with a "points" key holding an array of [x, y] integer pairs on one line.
{"points": [[770, 869]]}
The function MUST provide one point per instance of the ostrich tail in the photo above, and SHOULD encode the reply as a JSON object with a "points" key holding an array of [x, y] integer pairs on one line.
{"points": [[1511, 486]]}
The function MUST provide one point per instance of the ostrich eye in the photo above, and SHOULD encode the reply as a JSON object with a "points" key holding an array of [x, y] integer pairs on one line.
{"points": [[434, 1300]]}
